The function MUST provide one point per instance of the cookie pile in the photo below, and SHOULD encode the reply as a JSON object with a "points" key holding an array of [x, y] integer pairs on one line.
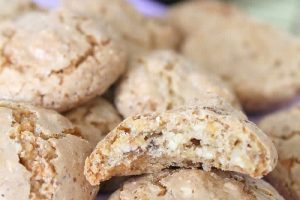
{"points": [[94, 95]]}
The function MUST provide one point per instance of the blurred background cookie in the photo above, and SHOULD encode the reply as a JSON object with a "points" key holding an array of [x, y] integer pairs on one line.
{"points": [[13, 8], [163, 80], [95, 119], [138, 32], [284, 128], [42, 155], [259, 61]]}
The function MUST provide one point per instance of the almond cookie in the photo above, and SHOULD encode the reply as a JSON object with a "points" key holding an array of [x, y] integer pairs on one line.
{"points": [[209, 134], [260, 62], [14, 8], [41, 155], [163, 80], [284, 128], [195, 184], [57, 60], [136, 30], [95, 119]]}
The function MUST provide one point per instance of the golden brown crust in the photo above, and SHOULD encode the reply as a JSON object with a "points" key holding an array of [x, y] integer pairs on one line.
{"points": [[210, 133]]}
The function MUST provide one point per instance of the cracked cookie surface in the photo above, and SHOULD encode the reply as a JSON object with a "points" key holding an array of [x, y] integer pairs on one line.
{"points": [[195, 184], [137, 31], [38, 151], [284, 128], [95, 119], [59, 62], [260, 62], [163, 80], [209, 134]]}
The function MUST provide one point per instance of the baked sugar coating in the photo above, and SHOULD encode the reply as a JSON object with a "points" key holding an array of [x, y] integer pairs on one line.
{"points": [[195, 184], [137, 31], [39, 150], [284, 128], [14, 8], [163, 80], [59, 62], [208, 134], [95, 119], [260, 62]]}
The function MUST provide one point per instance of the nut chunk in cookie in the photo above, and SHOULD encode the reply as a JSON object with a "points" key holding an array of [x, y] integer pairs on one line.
{"points": [[163, 80], [284, 128], [41, 155], [60, 62], [195, 184], [209, 134]]}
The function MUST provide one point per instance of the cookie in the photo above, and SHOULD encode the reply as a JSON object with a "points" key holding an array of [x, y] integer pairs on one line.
{"points": [[38, 151], [284, 128], [95, 119], [60, 62], [137, 31], [208, 134], [260, 62], [14, 8], [163, 80], [195, 184]]}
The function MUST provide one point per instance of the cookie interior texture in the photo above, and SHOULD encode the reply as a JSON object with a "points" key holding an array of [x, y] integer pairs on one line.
{"points": [[95, 119], [195, 184], [65, 60], [137, 31], [209, 134], [284, 128], [39, 149], [162, 80], [260, 62]]}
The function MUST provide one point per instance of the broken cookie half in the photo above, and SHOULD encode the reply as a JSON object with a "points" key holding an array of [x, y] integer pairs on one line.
{"points": [[208, 134], [195, 184]]}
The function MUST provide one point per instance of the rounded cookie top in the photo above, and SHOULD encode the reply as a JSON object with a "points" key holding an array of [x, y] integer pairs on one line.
{"points": [[162, 80], [284, 128], [195, 184], [95, 119], [38, 151], [257, 60], [57, 60], [137, 31], [14, 8], [210, 133]]}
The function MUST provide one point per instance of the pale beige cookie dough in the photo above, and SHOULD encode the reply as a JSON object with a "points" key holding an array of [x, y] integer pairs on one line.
{"points": [[208, 134], [10, 9], [41, 155], [95, 119], [137, 31], [163, 80], [284, 128], [195, 184], [57, 60], [260, 62]]}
